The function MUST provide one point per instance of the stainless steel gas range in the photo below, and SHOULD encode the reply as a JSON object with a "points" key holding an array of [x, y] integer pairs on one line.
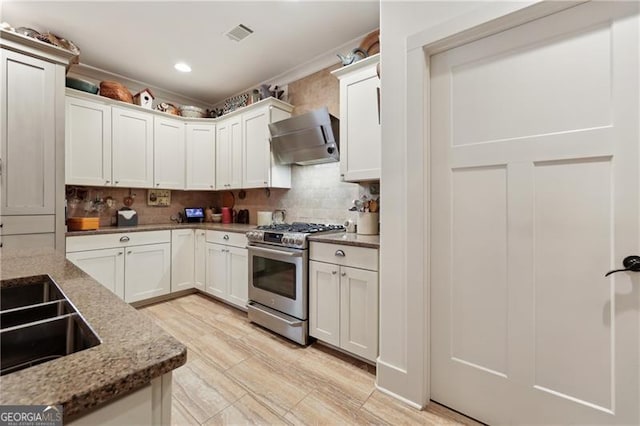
{"points": [[278, 277]]}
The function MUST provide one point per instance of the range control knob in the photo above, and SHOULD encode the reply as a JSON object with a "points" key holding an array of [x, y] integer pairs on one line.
{"points": [[299, 241]]}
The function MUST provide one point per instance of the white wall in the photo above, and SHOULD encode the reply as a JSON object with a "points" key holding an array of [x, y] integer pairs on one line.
{"points": [[402, 317]]}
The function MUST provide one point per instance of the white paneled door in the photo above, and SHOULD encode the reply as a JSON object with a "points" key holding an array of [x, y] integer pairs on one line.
{"points": [[534, 197]]}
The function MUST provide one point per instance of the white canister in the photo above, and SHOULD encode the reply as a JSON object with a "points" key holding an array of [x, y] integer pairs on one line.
{"points": [[264, 218], [367, 223]]}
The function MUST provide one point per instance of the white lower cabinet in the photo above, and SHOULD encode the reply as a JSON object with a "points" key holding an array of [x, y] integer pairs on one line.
{"points": [[227, 267], [135, 266], [105, 266], [343, 300], [142, 265], [200, 259], [182, 259], [147, 272]]}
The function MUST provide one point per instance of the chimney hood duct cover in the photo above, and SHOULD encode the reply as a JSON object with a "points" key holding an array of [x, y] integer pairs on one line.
{"points": [[310, 138]]}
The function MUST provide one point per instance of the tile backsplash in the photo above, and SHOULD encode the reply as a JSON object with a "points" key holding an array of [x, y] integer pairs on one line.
{"points": [[317, 195], [146, 214]]}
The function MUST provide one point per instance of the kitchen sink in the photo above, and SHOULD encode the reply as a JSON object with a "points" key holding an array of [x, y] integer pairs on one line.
{"points": [[29, 291], [38, 324]]}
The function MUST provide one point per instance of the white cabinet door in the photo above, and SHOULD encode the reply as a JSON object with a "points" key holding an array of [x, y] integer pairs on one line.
{"points": [[200, 259], [359, 312], [87, 142], [182, 259], [257, 150], [229, 154], [324, 302], [238, 278], [168, 153], [27, 135], [105, 266], [132, 145], [147, 271], [360, 140], [201, 156], [216, 273]]}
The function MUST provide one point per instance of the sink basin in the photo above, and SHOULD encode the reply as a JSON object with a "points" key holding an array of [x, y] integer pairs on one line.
{"points": [[25, 346], [29, 291], [33, 313], [38, 324]]}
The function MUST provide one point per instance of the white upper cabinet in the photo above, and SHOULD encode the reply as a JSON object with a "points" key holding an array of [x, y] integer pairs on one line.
{"points": [[200, 154], [360, 139], [229, 153], [28, 135], [87, 142], [260, 169], [132, 143], [108, 144], [168, 153]]}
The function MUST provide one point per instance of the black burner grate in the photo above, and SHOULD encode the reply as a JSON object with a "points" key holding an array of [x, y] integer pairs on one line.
{"points": [[306, 228]]}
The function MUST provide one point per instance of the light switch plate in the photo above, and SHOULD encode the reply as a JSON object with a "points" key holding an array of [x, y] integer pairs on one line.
{"points": [[159, 197]]}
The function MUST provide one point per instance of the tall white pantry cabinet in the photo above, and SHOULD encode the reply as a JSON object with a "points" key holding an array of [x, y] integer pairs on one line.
{"points": [[31, 142]]}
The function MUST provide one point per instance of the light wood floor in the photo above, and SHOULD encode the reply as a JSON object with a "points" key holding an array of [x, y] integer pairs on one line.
{"points": [[240, 373]]}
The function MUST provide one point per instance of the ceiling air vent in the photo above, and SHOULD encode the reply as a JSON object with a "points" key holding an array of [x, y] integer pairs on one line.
{"points": [[239, 32]]}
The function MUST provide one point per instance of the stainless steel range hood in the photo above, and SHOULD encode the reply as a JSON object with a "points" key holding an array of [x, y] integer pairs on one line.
{"points": [[310, 138]]}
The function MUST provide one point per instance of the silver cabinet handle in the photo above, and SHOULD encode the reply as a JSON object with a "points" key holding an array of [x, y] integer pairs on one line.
{"points": [[340, 253], [344, 274], [106, 182], [226, 237], [129, 252], [120, 253], [124, 239], [117, 182], [334, 272]]}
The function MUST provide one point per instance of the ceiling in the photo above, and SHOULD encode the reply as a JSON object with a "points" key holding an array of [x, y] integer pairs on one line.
{"points": [[143, 40]]}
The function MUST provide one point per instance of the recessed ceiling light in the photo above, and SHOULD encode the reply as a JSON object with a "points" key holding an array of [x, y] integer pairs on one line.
{"points": [[182, 67]]}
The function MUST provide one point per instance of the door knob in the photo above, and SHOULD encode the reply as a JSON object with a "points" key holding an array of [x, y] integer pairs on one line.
{"points": [[630, 263]]}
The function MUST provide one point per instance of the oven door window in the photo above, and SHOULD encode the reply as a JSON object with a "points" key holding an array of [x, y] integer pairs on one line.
{"points": [[275, 276]]}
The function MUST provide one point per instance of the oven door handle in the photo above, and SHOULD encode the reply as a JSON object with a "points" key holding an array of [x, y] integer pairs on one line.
{"points": [[276, 252], [279, 318]]}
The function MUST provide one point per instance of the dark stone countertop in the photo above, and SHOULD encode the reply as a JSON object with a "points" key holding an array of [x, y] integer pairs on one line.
{"points": [[231, 227], [133, 351], [349, 239]]}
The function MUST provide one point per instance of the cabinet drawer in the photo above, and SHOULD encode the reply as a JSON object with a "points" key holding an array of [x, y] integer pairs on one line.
{"points": [[236, 239], [121, 239], [13, 225], [26, 241], [356, 257]]}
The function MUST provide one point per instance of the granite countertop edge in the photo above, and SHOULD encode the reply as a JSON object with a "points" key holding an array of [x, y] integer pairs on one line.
{"points": [[349, 239], [231, 227], [357, 240], [133, 349]]}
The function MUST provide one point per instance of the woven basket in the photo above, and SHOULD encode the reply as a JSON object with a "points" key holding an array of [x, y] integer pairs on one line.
{"points": [[115, 90]]}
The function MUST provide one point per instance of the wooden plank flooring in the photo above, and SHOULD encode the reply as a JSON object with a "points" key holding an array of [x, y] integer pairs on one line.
{"points": [[239, 373]]}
